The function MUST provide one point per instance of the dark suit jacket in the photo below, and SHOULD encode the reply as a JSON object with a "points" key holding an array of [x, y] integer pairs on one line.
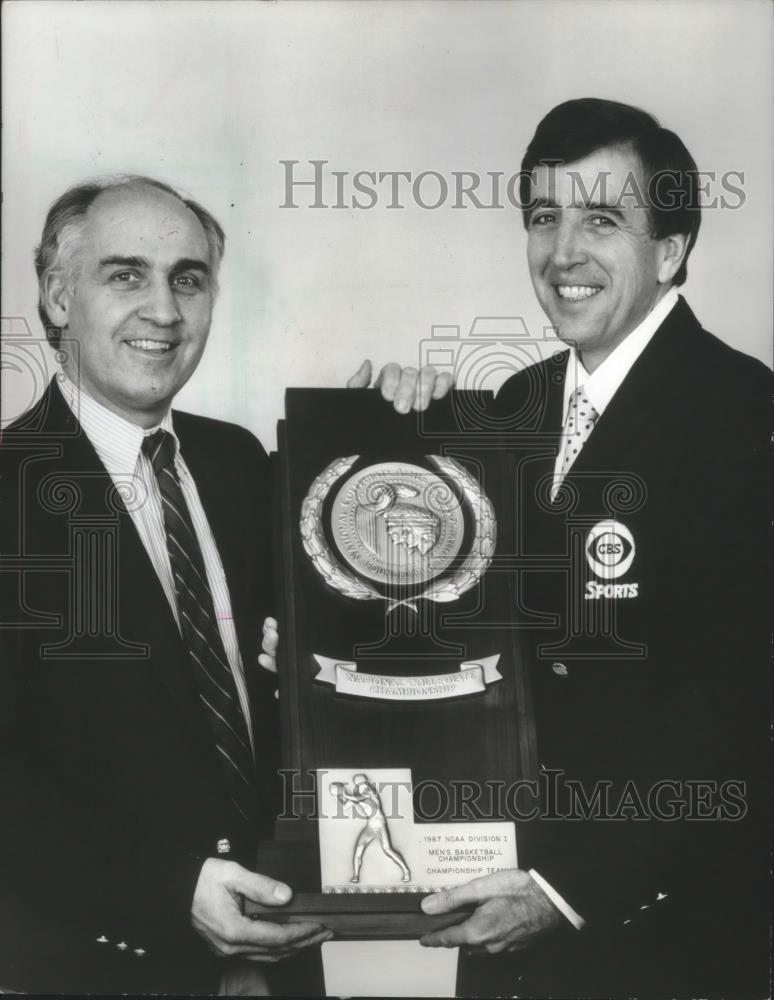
{"points": [[111, 794], [670, 683]]}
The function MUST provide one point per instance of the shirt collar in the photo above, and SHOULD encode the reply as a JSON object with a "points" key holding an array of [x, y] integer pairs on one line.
{"points": [[117, 441], [605, 381]]}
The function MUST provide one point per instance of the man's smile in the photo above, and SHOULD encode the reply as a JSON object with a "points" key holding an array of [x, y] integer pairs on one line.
{"points": [[576, 293], [152, 347]]}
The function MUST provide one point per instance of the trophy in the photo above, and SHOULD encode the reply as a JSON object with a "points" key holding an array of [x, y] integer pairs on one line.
{"points": [[405, 714]]}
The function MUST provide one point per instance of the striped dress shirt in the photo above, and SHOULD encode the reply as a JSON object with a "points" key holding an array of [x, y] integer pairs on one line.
{"points": [[118, 444]]}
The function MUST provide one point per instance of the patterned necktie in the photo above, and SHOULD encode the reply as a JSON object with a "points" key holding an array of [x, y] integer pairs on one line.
{"points": [[581, 417], [199, 628]]}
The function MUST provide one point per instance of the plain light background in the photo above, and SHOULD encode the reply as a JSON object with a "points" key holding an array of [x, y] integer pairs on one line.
{"points": [[211, 96]]}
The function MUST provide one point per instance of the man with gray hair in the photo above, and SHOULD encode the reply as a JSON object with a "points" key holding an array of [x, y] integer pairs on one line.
{"points": [[137, 730]]}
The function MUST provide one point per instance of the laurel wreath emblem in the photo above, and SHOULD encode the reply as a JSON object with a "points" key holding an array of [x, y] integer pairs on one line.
{"points": [[446, 588]]}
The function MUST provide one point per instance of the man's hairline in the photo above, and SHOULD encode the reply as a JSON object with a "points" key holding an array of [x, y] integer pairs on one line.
{"points": [[622, 146], [71, 271]]}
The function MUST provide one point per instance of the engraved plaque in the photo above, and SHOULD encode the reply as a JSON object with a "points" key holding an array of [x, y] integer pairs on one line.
{"points": [[370, 842]]}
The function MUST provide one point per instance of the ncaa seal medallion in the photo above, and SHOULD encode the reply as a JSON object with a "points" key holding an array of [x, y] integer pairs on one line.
{"points": [[397, 523]]}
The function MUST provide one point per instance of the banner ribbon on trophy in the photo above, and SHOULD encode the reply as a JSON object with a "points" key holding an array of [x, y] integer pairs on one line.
{"points": [[472, 677]]}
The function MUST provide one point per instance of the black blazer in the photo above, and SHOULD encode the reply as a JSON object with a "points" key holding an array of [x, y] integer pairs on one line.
{"points": [[667, 678], [111, 794]]}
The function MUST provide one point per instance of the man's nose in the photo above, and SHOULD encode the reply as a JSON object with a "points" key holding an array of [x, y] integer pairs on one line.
{"points": [[160, 306], [568, 248]]}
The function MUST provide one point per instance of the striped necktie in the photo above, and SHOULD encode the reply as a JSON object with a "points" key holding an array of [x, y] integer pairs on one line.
{"points": [[581, 417], [199, 628]]}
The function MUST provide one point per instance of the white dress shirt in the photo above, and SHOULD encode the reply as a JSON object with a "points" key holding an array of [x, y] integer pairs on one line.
{"points": [[605, 381], [118, 444]]}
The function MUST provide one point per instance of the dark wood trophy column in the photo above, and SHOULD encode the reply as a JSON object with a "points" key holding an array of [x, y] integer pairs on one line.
{"points": [[397, 666]]}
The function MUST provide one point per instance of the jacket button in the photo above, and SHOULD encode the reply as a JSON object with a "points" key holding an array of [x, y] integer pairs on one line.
{"points": [[223, 846], [559, 669]]}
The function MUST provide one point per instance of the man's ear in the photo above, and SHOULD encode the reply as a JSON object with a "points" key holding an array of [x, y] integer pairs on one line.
{"points": [[673, 251], [56, 298]]}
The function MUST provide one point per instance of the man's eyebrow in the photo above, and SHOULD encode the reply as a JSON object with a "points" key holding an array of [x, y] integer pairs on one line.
{"points": [[118, 261], [191, 264], [603, 206], [591, 206], [140, 263]]}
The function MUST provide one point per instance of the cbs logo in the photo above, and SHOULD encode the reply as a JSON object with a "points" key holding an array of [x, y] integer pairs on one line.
{"points": [[609, 549]]}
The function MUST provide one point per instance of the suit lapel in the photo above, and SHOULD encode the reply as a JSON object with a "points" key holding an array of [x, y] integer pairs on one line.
{"points": [[532, 405], [646, 405], [553, 420], [143, 613]]}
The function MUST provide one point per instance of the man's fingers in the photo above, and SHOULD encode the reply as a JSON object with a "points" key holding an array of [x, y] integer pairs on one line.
{"points": [[388, 380], [268, 662], [452, 899], [278, 954], [323, 935], [452, 937], [478, 890], [270, 641], [406, 388], [405, 393], [443, 383], [306, 940], [253, 935], [259, 888], [288, 935], [488, 928], [216, 913], [424, 387], [362, 377]]}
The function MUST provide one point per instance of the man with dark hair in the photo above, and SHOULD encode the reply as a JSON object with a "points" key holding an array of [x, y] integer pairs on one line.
{"points": [[640, 471], [138, 739], [664, 177]]}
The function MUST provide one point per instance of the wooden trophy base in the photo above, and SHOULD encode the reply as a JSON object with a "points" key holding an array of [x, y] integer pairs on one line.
{"points": [[355, 916]]}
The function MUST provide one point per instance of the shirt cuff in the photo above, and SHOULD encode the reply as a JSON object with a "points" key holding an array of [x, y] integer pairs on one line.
{"points": [[559, 902]]}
